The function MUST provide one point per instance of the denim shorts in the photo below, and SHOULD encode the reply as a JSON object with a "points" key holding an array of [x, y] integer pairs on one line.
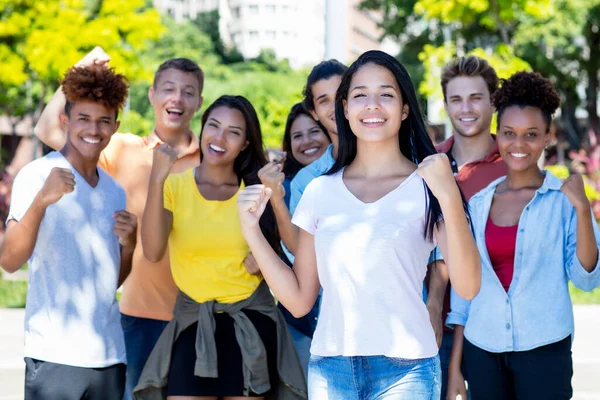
{"points": [[373, 377]]}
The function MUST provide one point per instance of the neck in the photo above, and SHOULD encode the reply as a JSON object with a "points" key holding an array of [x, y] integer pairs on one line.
{"points": [[216, 174], [85, 167], [468, 149], [178, 139], [379, 159], [532, 177], [335, 141]]}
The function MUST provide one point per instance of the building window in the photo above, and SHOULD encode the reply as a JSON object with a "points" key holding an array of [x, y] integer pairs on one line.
{"points": [[270, 8], [236, 12], [253, 35], [271, 35], [253, 9]]}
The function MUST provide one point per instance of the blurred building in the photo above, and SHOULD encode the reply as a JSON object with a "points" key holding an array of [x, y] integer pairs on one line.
{"points": [[303, 31]]}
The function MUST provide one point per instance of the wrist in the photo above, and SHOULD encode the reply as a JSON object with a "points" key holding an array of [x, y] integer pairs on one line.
{"points": [[39, 202], [583, 211]]}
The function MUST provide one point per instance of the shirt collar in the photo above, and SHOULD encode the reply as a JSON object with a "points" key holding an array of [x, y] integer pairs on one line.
{"points": [[152, 141], [491, 156], [551, 182]]}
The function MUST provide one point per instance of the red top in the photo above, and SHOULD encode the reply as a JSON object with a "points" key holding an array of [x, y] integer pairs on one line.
{"points": [[500, 242]]}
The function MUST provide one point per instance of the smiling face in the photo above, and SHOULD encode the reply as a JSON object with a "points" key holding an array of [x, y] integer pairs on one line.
{"points": [[522, 136], [324, 102], [468, 105], [223, 136], [308, 141], [89, 126], [374, 107], [175, 98]]}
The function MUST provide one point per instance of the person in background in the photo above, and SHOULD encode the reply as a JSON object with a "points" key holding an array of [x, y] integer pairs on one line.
{"points": [[68, 221], [535, 234]]}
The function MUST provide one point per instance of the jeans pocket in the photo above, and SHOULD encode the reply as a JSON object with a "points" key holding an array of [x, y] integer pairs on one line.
{"points": [[32, 368], [127, 321]]}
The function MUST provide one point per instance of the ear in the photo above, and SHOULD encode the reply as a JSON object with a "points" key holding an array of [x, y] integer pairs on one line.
{"points": [[200, 103], [64, 121], [245, 146], [345, 103], [314, 115], [117, 124], [405, 110], [151, 95]]}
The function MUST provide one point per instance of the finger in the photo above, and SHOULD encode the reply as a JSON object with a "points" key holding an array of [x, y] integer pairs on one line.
{"points": [[124, 226]]}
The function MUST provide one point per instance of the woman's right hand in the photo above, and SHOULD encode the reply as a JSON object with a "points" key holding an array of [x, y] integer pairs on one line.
{"points": [[456, 386], [271, 176], [252, 202], [162, 161]]}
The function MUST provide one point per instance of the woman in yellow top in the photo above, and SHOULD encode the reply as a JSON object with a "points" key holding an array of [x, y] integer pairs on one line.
{"points": [[196, 213]]}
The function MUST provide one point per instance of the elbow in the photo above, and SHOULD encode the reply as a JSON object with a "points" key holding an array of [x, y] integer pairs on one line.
{"points": [[7, 264], [153, 256], [300, 310]]}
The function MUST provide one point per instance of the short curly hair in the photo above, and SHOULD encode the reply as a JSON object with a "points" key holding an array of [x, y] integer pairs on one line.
{"points": [[102, 86], [527, 89]]}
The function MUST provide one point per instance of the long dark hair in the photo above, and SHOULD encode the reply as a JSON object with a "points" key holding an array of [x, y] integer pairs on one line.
{"points": [[250, 160], [291, 165], [414, 141]]}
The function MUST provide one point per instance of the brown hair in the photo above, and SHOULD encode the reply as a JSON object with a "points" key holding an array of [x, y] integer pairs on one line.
{"points": [[102, 86], [470, 66], [183, 65]]}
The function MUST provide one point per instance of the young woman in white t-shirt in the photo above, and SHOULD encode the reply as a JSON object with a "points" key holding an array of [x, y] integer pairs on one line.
{"points": [[367, 228]]}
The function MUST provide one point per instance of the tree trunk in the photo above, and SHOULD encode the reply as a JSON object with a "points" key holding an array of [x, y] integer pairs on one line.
{"points": [[593, 67], [569, 120]]}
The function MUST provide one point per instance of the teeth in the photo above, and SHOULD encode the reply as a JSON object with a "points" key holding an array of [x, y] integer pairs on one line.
{"points": [[518, 155], [174, 110], [216, 148], [467, 119], [373, 120], [311, 151], [91, 141]]}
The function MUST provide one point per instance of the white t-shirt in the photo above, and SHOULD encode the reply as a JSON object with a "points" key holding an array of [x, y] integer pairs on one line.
{"points": [[371, 259], [72, 315]]}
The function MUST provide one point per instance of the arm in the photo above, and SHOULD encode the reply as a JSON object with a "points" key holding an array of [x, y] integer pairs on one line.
{"points": [[126, 230], [436, 292], [587, 248], [157, 221], [296, 288], [20, 237], [456, 381], [48, 128]]}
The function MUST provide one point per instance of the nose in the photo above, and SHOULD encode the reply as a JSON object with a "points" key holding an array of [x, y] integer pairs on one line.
{"points": [[466, 105], [373, 103]]}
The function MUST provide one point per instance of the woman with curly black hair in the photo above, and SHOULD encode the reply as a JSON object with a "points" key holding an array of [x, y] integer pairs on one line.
{"points": [[534, 233]]}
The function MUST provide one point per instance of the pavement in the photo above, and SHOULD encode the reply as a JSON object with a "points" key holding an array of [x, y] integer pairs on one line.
{"points": [[586, 353]]}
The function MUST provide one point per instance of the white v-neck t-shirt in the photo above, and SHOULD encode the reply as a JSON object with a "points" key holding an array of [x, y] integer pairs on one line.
{"points": [[371, 259]]}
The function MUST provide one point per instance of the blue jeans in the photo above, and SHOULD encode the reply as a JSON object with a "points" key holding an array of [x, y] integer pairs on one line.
{"points": [[373, 378], [141, 334]]}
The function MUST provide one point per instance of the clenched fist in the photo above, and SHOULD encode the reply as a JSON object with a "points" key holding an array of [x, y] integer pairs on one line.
{"points": [[437, 174], [271, 176], [252, 201], [126, 228], [60, 182], [162, 161], [574, 189], [97, 58], [251, 265]]}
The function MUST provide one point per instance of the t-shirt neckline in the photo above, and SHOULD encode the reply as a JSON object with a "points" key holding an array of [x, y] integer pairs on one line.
{"points": [[349, 194]]}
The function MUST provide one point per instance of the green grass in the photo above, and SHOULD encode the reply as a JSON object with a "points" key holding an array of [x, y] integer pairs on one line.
{"points": [[12, 293]]}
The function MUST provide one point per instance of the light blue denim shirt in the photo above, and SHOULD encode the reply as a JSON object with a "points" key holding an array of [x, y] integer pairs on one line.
{"points": [[307, 174], [537, 309]]}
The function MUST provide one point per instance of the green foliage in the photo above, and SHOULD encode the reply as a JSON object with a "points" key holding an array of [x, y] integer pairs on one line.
{"points": [[581, 297], [12, 293]]}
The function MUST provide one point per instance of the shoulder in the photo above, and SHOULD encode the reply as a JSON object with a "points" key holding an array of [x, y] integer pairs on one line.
{"points": [[179, 179], [484, 193], [323, 182], [42, 166]]}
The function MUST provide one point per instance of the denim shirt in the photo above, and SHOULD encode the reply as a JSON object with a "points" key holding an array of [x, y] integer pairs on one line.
{"points": [[307, 174], [537, 309]]}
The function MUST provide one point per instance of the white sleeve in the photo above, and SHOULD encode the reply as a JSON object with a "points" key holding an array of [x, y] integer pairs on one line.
{"points": [[25, 187], [304, 215]]}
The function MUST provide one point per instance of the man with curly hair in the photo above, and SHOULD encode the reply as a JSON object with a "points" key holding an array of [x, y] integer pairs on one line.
{"points": [[68, 221], [149, 292]]}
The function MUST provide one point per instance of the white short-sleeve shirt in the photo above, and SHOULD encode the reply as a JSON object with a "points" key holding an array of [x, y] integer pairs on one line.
{"points": [[371, 259]]}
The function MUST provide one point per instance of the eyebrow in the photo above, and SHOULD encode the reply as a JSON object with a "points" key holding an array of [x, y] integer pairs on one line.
{"points": [[173, 83], [89, 116], [321, 97], [219, 122], [381, 86], [531, 127]]}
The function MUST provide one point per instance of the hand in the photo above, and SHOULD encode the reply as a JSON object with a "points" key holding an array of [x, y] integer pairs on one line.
{"points": [[60, 182], [271, 176], [276, 156], [162, 161], [251, 204], [456, 386], [126, 228], [437, 174], [251, 265], [97, 58], [574, 189], [435, 317]]}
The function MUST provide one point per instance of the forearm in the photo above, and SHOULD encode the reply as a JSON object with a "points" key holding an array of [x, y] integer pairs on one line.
{"points": [[457, 349], [464, 266], [20, 238], [288, 231], [155, 230], [48, 128], [281, 279], [438, 283], [587, 248], [126, 260]]}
